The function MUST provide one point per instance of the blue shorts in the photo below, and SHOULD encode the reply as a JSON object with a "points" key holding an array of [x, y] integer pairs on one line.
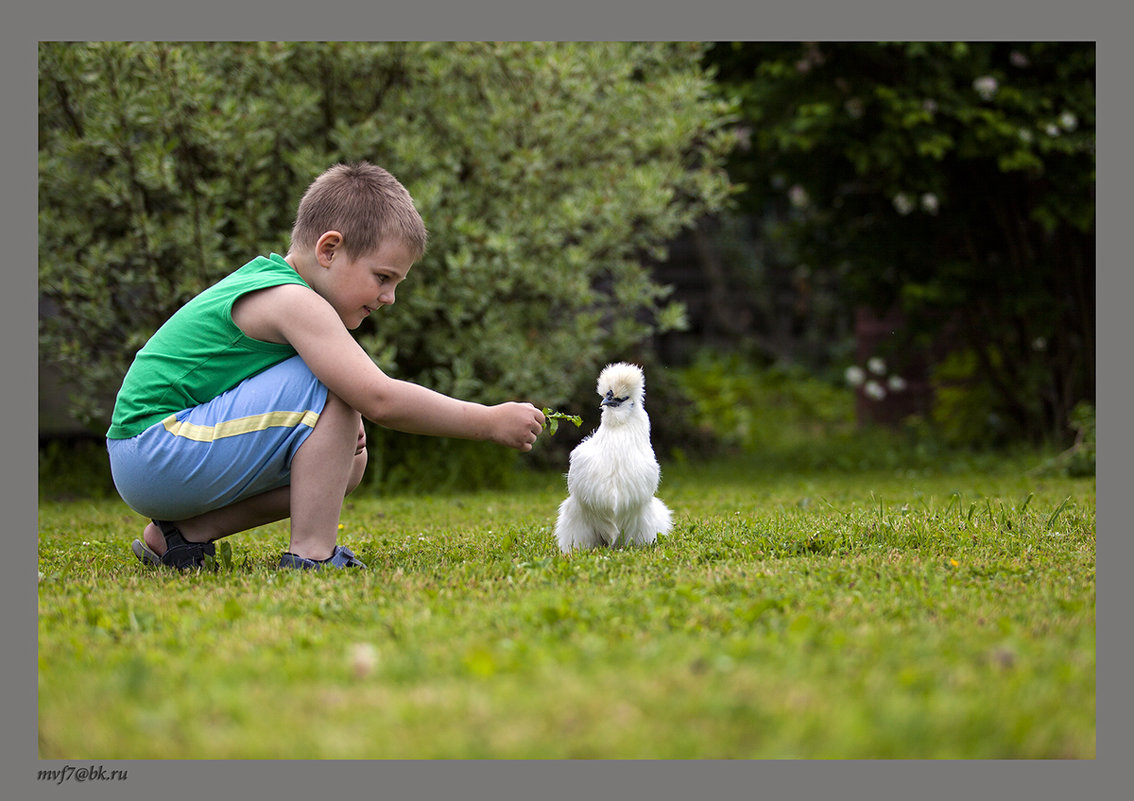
{"points": [[237, 445]]}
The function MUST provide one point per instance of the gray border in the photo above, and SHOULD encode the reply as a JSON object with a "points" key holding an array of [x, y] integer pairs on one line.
{"points": [[831, 20], [516, 19]]}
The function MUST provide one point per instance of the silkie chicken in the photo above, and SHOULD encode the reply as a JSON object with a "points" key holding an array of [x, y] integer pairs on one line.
{"points": [[613, 473]]}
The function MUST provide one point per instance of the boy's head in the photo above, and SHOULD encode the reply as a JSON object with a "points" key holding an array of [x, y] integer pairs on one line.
{"points": [[365, 204]]}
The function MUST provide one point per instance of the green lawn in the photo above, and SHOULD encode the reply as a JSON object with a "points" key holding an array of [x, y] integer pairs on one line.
{"points": [[791, 614]]}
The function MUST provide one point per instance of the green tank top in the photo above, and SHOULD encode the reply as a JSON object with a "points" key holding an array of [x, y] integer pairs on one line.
{"points": [[199, 352]]}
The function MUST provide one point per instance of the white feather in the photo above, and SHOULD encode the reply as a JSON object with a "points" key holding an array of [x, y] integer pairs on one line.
{"points": [[613, 473]]}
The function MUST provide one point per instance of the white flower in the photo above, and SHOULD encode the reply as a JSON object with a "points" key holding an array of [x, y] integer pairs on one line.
{"points": [[1025, 135], [896, 383], [903, 203], [855, 376], [929, 203], [986, 87], [1018, 59], [874, 390], [1069, 121], [798, 196], [876, 365], [1052, 129]]}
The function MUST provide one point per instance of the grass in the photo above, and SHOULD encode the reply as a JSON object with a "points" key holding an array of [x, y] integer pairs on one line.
{"points": [[887, 613]]}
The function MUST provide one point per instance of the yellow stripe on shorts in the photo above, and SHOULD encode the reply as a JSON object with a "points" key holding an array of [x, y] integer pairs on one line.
{"points": [[241, 425]]}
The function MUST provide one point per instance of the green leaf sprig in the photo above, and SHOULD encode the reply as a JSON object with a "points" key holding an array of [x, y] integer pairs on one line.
{"points": [[554, 417]]}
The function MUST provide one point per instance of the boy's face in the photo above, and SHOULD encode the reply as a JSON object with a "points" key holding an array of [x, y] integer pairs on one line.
{"points": [[357, 287]]}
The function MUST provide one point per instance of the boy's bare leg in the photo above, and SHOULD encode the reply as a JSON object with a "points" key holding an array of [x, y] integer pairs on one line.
{"points": [[328, 465], [258, 510]]}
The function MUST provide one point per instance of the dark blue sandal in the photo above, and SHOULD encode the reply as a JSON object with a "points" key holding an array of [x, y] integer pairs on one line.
{"points": [[340, 558], [179, 552]]}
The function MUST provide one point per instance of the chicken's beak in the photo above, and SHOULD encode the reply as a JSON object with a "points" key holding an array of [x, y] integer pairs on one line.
{"points": [[610, 400]]}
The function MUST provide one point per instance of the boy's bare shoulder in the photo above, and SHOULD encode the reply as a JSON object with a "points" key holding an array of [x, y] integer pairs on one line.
{"points": [[268, 313]]}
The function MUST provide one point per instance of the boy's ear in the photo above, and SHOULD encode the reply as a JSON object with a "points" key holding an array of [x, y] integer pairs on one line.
{"points": [[326, 246]]}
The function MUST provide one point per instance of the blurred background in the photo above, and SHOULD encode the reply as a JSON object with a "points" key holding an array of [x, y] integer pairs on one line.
{"points": [[841, 255]]}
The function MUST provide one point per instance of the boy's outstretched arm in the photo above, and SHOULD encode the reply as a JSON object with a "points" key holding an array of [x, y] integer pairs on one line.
{"points": [[299, 316]]}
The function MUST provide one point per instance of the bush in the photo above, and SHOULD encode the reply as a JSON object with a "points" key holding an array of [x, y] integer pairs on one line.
{"points": [[964, 408], [416, 465], [547, 173], [74, 467], [781, 417], [951, 181], [761, 409]]}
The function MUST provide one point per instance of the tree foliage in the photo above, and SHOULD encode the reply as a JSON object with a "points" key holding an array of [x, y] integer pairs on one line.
{"points": [[546, 172], [951, 181]]}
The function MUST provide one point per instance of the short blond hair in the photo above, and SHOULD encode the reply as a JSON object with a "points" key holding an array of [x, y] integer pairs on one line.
{"points": [[364, 203]]}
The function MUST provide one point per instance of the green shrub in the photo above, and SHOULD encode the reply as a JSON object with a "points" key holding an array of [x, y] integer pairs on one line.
{"points": [[765, 409], [75, 467], [546, 173], [417, 465], [963, 407], [953, 181]]}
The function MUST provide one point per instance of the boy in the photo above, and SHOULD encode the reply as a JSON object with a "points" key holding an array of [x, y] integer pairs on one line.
{"points": [[246, 406]]}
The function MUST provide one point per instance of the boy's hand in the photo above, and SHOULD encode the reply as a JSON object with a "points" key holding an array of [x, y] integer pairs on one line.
{"points": [[516, 425]]}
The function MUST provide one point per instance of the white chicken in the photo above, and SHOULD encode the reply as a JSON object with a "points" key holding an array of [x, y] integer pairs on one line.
{"points": [[613, 473]]}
